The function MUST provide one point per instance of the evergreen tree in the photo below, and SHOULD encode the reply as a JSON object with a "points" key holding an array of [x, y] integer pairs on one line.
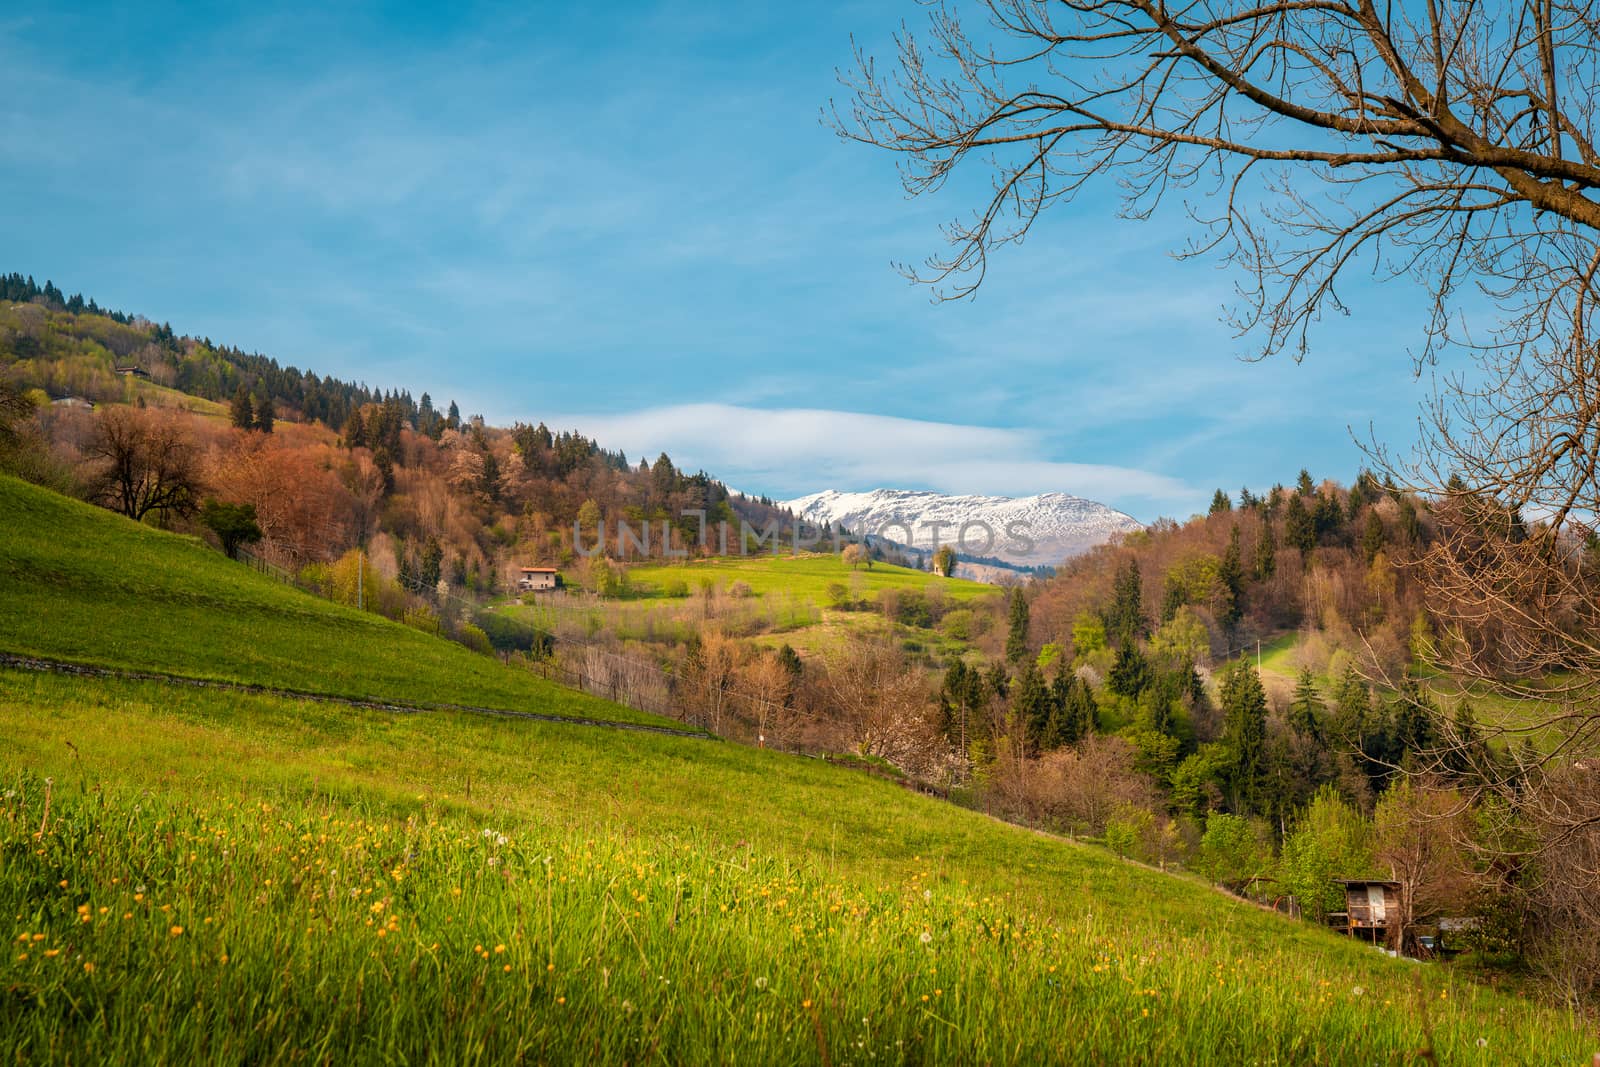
{"points": [[1414, 713], [1468, 755], [1372, 536], [1298, 531], [1017, 638], [1305, 710], [489, 477], [1080, 714], [1130, 673], [453, 419], [354, 433], [996, 682], [1265, 564], [1244, 733], [430, 562], [1173, 597], [1231, 575], [1304, 485], [1125, 618], [1031, 705], [1220, 502], [266, 415], [1326, 516], [241, 410]]}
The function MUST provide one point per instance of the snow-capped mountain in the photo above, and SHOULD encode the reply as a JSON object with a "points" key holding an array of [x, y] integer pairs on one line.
{"points": [[1029, 531]]}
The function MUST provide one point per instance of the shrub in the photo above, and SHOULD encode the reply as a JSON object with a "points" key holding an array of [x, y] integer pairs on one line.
{"points": [[740, 589], [474, 638], [422, 618], [957, 625], [508, 634], [675, 587]]}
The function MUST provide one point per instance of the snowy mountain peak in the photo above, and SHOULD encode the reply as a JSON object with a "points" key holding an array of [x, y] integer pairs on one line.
{"points": [[1030, 531]]}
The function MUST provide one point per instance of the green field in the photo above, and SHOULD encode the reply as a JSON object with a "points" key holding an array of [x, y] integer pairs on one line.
{"points": [[197, 875], [84, 585], [233, 878], [802, 576]]}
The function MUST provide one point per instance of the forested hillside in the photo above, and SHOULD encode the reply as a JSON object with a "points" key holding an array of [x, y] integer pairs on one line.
{"points": [[1254, 693]]}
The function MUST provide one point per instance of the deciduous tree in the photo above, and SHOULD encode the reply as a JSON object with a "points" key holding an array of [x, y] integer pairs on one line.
{"points": [[148, 463]]}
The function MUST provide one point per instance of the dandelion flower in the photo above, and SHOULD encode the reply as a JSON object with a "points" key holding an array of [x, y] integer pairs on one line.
{"points": [[176, 931], [88, 968], [807, 1003], [499, 949]]}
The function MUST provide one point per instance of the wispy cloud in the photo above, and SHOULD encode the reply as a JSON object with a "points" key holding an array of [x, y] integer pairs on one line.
{"points": [[791, 451]]}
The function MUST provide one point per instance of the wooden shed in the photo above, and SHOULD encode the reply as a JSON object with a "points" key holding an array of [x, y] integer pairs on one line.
{"points": [[1372, 909]]}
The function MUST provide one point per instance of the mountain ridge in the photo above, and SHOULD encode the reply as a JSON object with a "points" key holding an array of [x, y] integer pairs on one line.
{"points": [[1033, 531]]}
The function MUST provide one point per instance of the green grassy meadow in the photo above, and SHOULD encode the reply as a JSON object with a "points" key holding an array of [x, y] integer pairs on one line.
{"points": [[227, 877], [806, 576], [200, 875], [85, 585]]}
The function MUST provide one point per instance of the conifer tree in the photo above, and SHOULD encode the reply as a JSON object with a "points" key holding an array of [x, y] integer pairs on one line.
{"points": [[1372, 536], [354, 432], [1305, 710], [1298, 531], [1265, 564], [241, 410], [1125, 619], [1231, 575], [1130, 674], [1031, 705], [1017, 638], [1244, 733], [1304, 485], [266, 416], [1220, 502]]}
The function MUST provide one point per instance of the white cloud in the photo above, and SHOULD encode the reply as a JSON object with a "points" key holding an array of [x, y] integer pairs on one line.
{"points": [[790, 451]]}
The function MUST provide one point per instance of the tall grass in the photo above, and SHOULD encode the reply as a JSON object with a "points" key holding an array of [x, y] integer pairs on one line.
{"points": [[265, 880]]}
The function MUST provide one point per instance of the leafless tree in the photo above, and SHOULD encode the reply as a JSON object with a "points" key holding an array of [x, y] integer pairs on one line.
{"points": [[149, 463], [1450, 142]]}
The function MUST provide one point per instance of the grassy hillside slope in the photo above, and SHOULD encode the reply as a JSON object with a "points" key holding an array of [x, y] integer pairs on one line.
{"points": [[82, 584], [335, 882], [195, 875]]}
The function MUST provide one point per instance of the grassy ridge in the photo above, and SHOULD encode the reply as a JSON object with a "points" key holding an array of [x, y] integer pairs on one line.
{"points": [[352, 886], [82, 584]]}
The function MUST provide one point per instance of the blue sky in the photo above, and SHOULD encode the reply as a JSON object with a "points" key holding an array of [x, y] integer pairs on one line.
{"points": [[629, 219]]}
